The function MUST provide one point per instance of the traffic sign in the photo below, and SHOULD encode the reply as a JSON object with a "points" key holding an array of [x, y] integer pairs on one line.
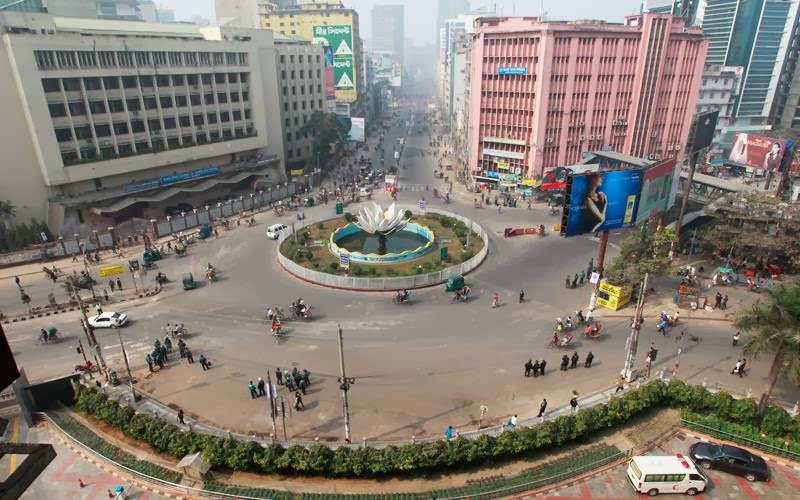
{"points": [[339, 209], [344, 261], [422, 204]]}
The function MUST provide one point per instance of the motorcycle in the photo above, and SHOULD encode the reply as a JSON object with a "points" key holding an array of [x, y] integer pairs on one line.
{"points": [[86, 367], [593, 331], [178, 330], [562, 342], [541, 230], [161, 278], [403, 297]]}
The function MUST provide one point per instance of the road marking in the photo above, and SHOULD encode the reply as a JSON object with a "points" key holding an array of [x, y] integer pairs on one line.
{"points": [[747, 489]]}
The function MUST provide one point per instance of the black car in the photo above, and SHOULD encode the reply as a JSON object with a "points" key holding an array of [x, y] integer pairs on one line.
{"points": [[730, 459]]}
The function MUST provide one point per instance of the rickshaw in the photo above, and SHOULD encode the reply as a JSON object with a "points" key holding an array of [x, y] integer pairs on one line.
{"points": [[454, 284], [308, 201], [188, 281], [151, 256], [204, 232]]}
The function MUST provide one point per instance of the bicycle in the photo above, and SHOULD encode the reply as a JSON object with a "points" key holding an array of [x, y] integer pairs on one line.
{"points": [[684, 333]]}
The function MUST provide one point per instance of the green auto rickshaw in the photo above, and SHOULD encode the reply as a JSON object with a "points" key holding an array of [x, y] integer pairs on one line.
{"points": [[188, 281], [308, 201], [204, 232], [454, 284], [151, 256]]}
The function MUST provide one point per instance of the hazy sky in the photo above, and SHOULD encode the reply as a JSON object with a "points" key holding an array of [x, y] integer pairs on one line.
{"points": [[420, 18]]}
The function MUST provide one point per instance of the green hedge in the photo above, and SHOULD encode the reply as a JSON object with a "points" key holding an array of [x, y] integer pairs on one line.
{"points": [[424, 458], [91, 440], [748, 435]]}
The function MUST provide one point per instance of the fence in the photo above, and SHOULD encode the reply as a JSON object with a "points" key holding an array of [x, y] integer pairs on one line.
{"points": [[738, 438], [393, 283]]}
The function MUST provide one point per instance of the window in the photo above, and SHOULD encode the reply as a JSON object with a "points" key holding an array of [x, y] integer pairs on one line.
{"points": [[212, 118], [91, 83], [311, 103], [237, 115], [154, 124], [284, 90], [219, 78], [129, 82], [120, 128], [194, 99], [166, 101], [57, 109], [209, 98], [102, 130], [283, 59], [225, 117], [97, 107], [291, 59], [304, 105], [283, 74], [293, 75], [198, 119], [294, 90], [222, 97], [177, 80], [162, 80], [150, 103], [137, 126], [287, 122], [133, 104], [300, 60], [169, 123], [285, 108], [111, 82], [294, 106], [180, 101], [116, 106], [63, 134], [50, 85], [289, 153], [83, 132]]}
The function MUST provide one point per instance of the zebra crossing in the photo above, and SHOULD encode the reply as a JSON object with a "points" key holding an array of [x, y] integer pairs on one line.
{"points": [[135, 349], [412, 187]]}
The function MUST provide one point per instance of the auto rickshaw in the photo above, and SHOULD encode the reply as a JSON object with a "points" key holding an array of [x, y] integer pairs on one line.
{"points": [[454, 284], [204, 232], [308, 201], [188, 281], [151, 256]]}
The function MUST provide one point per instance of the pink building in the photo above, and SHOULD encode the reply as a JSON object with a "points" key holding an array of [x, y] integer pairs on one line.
{"points": [[541, 93]]}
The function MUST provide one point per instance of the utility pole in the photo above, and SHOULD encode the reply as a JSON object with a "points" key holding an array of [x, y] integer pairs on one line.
{"points": [[127, 366], [344, 385], [633, 340], [283, 416], [684, 201], [272, 407], [88, 329], [85, 359], [601, 257]]}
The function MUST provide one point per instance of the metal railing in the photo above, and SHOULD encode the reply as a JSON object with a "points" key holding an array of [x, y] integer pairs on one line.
{"points": [[738, 438]]}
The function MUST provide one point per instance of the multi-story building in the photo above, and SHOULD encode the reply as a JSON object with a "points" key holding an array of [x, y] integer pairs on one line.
{"points": [[165, 14], [718, 91], [388, 33], [326, 22], [301, 80], [110, 120], [449, 9], [541, 93], [683, 8]]}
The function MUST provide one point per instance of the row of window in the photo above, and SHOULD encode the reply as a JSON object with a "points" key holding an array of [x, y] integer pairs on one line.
{"points": [[302, 74], [99, 107], [141, 81], [290, 152], [303, 105], [300, 58], [302, 89], [61, 59]]}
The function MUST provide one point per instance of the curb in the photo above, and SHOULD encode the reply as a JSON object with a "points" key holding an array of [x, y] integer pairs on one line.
{"points": [[64, 310]]}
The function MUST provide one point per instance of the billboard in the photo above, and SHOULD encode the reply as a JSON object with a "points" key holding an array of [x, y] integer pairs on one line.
{"points": [[356, 129], [512, 70], [340, 40], [704, 125], [330, 84], [758, 151], [600, 201], [656, 189], [556, 178]]}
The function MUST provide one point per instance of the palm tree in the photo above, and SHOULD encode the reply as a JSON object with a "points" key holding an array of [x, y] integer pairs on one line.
{"points": [[775, 324]]}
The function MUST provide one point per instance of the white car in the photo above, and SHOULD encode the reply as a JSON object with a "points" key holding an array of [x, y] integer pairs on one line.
{"points": [[108, 320], [274, 231]]}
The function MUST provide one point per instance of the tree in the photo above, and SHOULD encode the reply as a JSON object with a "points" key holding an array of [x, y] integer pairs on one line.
{"points": [[775, 323], [7, 210], [327, 129], [643, 252], [754, 226]]}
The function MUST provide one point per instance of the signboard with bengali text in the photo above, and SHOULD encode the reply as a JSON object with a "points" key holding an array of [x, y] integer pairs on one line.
{"points": [[340, 40]]}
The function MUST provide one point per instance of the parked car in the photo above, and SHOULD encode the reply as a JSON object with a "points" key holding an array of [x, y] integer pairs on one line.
{"points": [[274, 231], [108, 320], [730, 459], [652, 474]]}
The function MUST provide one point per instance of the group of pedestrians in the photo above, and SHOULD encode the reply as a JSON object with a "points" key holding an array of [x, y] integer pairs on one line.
{"points": [[571, 362], [535, 368], [296, 381], [578, 279]]}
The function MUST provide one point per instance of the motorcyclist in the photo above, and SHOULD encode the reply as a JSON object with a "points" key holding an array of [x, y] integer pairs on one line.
{"points": [[579, 317], [662, 327], [555, 337], [568, 338], [270, 314], [569, 323], [559, 325], [541, 226]]}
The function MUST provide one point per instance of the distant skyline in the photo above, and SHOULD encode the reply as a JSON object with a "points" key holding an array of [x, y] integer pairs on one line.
{"points": [[420, 18]]}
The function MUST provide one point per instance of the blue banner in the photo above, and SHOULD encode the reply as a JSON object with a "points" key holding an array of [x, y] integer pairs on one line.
{"points": [[185, 176], [602, 200], [138, 186], [512, 70]]}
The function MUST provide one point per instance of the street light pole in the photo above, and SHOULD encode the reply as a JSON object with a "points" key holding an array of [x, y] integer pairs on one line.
{"points": [[88, 329], [272, 406], [344, 385], [633, 340], [127, 366]]}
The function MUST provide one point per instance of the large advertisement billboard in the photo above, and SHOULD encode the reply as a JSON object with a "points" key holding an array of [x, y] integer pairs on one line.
{"points": [[656, 189], [601, 200], [356, 129], [703, 130], [330, 83], [758, 151], [340, 39]]}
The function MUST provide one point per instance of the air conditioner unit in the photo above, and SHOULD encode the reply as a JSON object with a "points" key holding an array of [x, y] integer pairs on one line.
{"points": [[583, 137], [549, 139], [625, 123], [583, 124], [569, 139], [657, 157], [591, 137], [615, 122], [649, 157], [571, 125]]}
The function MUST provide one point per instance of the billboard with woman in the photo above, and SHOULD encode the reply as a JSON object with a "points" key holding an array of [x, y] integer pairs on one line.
{"points": [[758, 151], [601, 200]]}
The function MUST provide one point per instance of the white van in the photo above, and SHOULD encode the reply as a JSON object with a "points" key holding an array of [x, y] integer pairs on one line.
{"points": [[274, 231], [665, 474]]}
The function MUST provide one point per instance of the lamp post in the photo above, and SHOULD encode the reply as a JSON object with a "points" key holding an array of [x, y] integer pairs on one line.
{"points": [[196, 217], [169, 219], [344, 385]]}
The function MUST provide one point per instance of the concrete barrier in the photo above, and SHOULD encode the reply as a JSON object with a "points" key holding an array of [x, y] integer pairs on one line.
{"points": [[387, 283]]}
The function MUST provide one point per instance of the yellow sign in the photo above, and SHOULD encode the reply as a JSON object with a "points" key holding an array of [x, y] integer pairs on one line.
{"points": [[107, 272], [502, 166], [529, 182], [616, 291], [296, 172], [614, 297], [613, 303]]}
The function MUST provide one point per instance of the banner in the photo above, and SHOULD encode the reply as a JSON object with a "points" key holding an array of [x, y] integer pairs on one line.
{"points": [[758, 151], [340, 39], [602, 200], [330, 84], [356, 130], [656, 189], [107, 272]]}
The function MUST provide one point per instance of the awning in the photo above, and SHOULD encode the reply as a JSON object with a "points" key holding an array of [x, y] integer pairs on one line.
{"points": [[485, 179]]}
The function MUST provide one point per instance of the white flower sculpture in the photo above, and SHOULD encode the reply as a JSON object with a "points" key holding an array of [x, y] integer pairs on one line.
{"points": [[374, 220]]}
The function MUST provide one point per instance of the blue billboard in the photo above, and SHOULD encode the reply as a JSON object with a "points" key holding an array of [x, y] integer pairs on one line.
{"points": [[601, 200], [512, 70]]}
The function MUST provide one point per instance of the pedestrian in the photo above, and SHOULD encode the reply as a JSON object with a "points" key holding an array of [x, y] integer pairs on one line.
{"points": [[298, 402], [590, 269], [718, 301], [75, 257], [521, 296], [575, 359], [742, 370], [736, 337], [158, 358], [737, 369], [589, 359], [724, 304], [16, 280], [495, 300], [647, 366], [119, 284], [105, 295], [288, 380], [204, 362], [512, 422], [535, 368], [252, 389], [216, 234], [575, 281], [620, 383], [573, 402], [111, 285], [278, 376], [189, 357], [542, 408], [542, 364], [564, 362], [306, 376], [261, 385], [98, 308], [567, 281], [528, 368], [149, 361], [302, 384], [448, 433], [581, 277], [164, 353], [180, 416]]}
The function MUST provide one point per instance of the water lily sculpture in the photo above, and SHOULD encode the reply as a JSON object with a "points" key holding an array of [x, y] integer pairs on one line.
{"points": [[381, 222], [375, 220]]}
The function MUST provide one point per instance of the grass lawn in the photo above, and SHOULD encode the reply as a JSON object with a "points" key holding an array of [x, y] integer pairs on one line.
{"points": [[311, 248]]}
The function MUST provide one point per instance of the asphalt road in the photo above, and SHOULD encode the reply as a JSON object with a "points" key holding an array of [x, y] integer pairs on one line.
{"points": [[418, 367]]}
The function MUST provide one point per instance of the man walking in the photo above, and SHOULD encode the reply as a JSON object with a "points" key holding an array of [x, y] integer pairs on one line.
{"points": [[261, 385], [575, 281], [535, 368], [111, 285], [564, 362], [575, 359], [718, 301], [589, 359], [566, 283], [149, 361], [298, 402], [203, 362], [302, 384], [528, 367], [180, 416], [542, 364], [724, 304], [590, 269], [573, 402], [278, 376], [119, 284], [252, 390], [189, 357], [521, 296], [542, 408], [620, 384]]}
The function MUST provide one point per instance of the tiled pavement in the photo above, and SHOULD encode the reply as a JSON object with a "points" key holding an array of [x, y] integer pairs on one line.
{"points": [[613, 484]]}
